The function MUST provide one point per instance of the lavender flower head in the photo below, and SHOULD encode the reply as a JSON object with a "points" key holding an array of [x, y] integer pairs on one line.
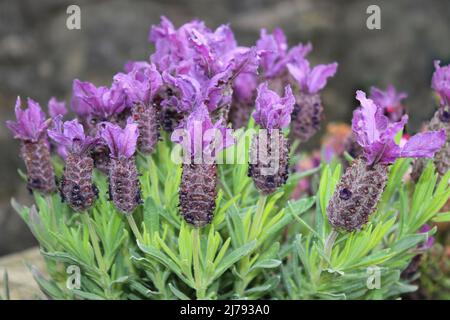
{"points": [[273, 111], [200, 138], [140, 84], [31, 123], [30, 127], [183, 92], [377, 136], [275, 54], [97, 103], [390, 101], [121, 142], [76, 184], [124, 187], [440, 82], [56, 107], [311, 80], [218, 93], [70, 134]]}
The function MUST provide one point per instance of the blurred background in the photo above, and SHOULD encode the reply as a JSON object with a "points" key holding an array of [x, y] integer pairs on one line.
{"points": [[39, 56]]}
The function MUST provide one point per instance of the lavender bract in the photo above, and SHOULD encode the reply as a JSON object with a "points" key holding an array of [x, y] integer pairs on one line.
{"points": [[30, 128]]}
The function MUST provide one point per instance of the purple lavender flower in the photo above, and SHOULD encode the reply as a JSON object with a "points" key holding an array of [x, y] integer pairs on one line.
{"points": [[430, 240], [201, 141], [124, 187], [97, 104], [269, 151], [56, 107], [183, 92], [141, 85], [390, 100], [30, 128], [275, 54], [308, 109], [273, 111], [311, 80], [200, 138], [441, 82], [219, 89], [172, 51], [76, 184], [376, 135], [360, 188]]}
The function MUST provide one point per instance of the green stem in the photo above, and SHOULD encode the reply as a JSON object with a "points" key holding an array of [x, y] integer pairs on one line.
{"points": [[94, 240], [134, 228], [255, 230], [200, 290], [256, 225]]}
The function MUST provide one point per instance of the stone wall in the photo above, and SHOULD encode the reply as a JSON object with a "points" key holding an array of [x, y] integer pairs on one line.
{"points": [[39, 57]]}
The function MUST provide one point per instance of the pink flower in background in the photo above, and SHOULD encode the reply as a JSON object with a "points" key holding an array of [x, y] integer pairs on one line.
{"points": [[390, 100]]}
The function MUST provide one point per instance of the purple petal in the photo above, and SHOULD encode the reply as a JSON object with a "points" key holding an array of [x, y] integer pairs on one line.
{"points": [[56, 107], [121, 142], [424, 145], [31, 122], [273, 112], [317, 79]]}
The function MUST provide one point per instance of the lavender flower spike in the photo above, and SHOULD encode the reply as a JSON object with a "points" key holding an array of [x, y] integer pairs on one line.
{"points": [[124, 187], [376, 135], [269, 153], [76, 185], [390, 101], [30, 128], [357, 194], [201, 140], [141, 85], [308, 110], [441, 82]]}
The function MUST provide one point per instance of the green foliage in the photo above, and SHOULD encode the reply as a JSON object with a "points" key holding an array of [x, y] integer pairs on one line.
{"points": [[256, 246]]}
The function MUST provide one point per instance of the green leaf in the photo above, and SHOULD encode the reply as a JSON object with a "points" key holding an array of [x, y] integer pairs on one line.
{"points": [[442, 217], [233, 257], [180, 295], [151, 216]]}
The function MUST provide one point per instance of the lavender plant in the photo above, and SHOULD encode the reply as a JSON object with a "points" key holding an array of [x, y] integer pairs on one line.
{"points": [[142, 225]]}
